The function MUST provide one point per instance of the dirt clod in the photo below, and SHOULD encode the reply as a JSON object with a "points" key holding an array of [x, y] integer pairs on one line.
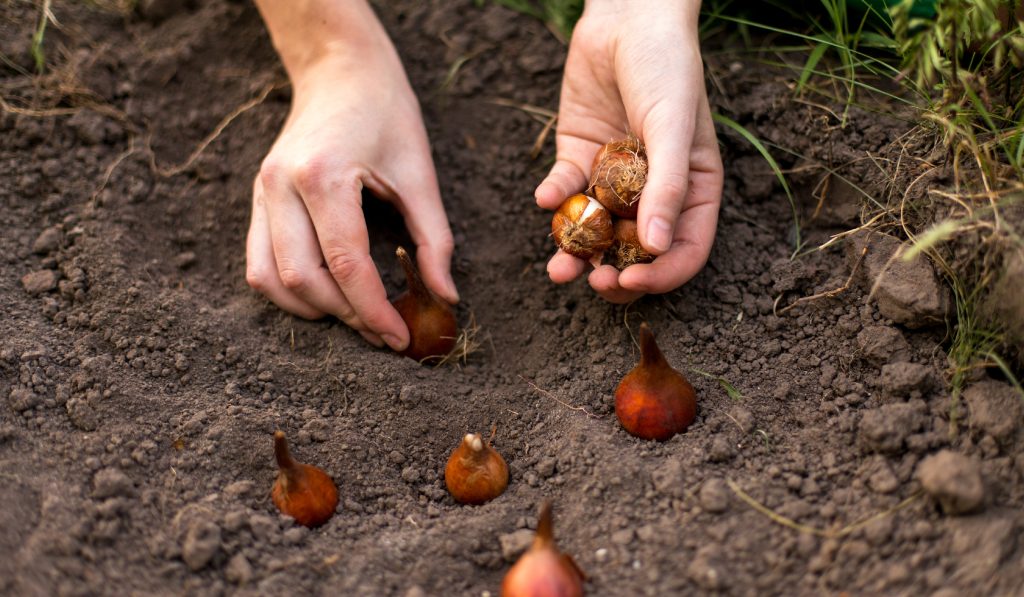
{"points": [[954, 480], [995, 408], [202, 542], [907, 292]]}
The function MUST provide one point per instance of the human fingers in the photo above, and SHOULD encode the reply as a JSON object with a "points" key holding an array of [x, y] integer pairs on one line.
{"points": [[419, 200], [605, 281], [681, 263], [260, 267], [334, 200], [695, 232], [568, 175], [563, 267], [298, 256], [668, 135]]}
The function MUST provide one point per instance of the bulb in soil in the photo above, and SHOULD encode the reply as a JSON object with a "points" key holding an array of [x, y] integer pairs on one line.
{"points": [[431, 322], [543, 570], [654, 401], [475, 472], [618, 174], [626, 249], [582, 227], [302, 491]]}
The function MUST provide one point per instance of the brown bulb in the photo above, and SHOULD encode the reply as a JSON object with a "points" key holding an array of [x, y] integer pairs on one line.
{"points": [[475, 472], [543, 570], [431, 322], [302, 491], [582, 227], [654, 401], [626, 249], [618, 174]]}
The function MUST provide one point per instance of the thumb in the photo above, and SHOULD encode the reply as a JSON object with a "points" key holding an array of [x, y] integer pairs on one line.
{"points": [[661, 201], [564, 179]]}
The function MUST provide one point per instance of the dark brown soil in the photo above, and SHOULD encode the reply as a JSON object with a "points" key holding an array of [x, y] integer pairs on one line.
{"points": [[143, 379]]}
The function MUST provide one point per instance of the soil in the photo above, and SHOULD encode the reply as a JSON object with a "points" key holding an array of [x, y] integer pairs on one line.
{"points": [[143, 379]]}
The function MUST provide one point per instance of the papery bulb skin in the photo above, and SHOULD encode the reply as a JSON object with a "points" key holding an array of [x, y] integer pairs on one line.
{"points": [[543, 571], [431, 322], [618, 174], [476, 473], [302, 491], [654, 401], [582, 227], [626, 249]]}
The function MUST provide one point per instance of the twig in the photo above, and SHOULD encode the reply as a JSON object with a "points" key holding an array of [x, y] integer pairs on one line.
{"points": [[109, 171], [538, 144], [803, 528], [544, 392], [827, 293], [168, 172], [528, 108]]}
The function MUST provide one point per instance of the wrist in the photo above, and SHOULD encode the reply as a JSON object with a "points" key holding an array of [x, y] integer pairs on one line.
{"points": [[688, 10], [309, 33]]}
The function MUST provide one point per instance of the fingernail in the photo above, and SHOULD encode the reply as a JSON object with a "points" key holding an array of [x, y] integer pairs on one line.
{"points": [[659, 234], [452, 291], [393, 342]]}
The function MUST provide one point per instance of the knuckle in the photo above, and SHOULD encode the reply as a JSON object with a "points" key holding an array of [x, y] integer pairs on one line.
{"points": [[673, 185], [344, 266], [256, 278], [271, 171], [293, 279], [309, 175]]}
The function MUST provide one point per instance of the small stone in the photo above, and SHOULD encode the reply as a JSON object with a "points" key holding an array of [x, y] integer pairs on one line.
{"points": [[714, 495], [954, 480], [202, 542], [47, 241], [995, 408], [882, 344], [295, 535], [238, 571], [40, 281], [111, 482], [515, 543]]}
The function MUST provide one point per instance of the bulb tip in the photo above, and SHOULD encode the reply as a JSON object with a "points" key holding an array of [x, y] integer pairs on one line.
{"points": [[474, 442], [278, 434]]}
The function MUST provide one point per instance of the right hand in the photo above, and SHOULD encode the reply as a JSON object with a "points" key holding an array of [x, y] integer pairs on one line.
{"points": [[354, 122]]}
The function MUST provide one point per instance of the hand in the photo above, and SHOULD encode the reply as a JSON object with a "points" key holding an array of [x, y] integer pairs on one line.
{"points": [[636, 66], [354, 122]]}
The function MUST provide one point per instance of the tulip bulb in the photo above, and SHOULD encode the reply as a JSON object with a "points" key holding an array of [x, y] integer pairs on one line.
{"points": [[543, 570], [654, 401], [582, 227], [626, 249], [431, 322], [618, 174], [302, 491], [475, 472]]}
